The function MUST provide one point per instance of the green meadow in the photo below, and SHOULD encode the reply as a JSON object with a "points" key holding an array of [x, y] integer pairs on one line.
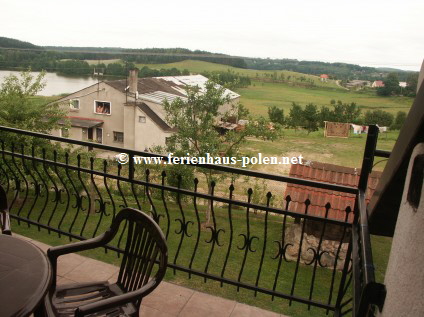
{"points": [[200, 66], [261, 95]]}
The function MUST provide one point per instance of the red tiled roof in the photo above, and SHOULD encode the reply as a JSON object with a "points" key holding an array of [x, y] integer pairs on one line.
{"points": [[324, 76], [379, 83], [328, 173]]}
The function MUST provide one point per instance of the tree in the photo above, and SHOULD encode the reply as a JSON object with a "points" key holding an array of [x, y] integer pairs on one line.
{"points": [[399, 120], [19, 109], [276, 115], [295, 118], [265, 130], [242, 112], [380, 117], [351, 112], [391, 85], [325, 114], [196, 118], [345, 112], [411, 84], [310, 115]]}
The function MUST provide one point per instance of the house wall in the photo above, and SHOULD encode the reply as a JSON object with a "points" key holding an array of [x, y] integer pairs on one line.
{"points": [[147, 134], [123, 118], [404, 277], [112, 122], [74, 133], [228, 107]]}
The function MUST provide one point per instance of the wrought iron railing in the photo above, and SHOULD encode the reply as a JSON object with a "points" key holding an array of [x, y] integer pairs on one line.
{"points": [[222, 230]]}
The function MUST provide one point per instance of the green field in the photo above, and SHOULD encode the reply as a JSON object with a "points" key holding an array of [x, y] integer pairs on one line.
{"points": [[261, 95], [315, 147], [200, 66], [103, 61]]}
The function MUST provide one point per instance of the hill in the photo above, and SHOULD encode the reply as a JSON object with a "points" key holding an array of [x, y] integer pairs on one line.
{"points": [[335, 70], [12, 43], [200, 67], [47, 56]]}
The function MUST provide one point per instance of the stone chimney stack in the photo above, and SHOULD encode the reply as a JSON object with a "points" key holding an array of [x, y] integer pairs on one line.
{"points": [[132, 81]]}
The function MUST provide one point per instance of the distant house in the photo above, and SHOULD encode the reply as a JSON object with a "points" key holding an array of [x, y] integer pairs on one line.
{"points": [[324, 77], [377, 84], [356, 83], [129, 113]]}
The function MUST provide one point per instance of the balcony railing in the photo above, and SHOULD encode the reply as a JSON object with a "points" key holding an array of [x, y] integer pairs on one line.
{"points": [[222, 230]]}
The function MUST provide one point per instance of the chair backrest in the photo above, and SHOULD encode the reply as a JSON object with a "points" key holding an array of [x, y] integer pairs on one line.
{"points": [[145, 246], [4, 213]]}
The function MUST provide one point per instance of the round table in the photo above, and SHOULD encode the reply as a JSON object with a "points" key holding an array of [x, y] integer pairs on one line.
{"points": [[25, 276]]}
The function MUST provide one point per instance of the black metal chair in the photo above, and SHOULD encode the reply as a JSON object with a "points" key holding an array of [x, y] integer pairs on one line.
{"points": [[145, 247], [4, 213]]}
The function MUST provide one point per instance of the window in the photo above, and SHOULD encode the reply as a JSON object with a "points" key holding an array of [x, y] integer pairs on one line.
{"points": [[102, 107], [142, 119], [118, 136], [74, 104], [64, 133]]}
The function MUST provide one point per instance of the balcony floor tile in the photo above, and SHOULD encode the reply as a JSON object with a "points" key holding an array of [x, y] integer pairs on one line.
{"points": [[167, 300]]}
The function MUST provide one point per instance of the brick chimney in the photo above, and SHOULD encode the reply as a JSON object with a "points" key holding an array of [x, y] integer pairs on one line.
{"points": [[132, 81]]}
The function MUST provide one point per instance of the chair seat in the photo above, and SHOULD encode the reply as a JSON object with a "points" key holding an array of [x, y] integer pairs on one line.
{"points": [[67, 298]]}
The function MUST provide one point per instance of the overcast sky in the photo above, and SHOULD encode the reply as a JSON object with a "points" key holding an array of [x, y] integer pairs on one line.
{"points": [[372, 33]]}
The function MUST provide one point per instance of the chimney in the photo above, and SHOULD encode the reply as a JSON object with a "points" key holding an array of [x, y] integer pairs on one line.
{"points": [[132, 81]]}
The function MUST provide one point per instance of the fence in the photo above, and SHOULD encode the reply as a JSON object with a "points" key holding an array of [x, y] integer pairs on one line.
{"points": [[215, 230]]}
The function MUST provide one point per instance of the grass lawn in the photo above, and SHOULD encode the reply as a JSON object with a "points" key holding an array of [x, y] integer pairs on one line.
{"points": [[259, 96], [315, 147]]}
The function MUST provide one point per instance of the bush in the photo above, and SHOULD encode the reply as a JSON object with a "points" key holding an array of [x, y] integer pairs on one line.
{"points": [[399, 120], [276, 115], [379, 117]]}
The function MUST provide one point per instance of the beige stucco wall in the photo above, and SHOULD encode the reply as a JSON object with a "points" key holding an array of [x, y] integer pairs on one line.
{"points": [[147, 134], [123, 118], [87, 98], [228, 107], [75, 133], [404, 277]]}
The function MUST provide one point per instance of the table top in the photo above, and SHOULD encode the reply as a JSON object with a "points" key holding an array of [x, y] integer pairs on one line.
{"points": [[25, 276]]}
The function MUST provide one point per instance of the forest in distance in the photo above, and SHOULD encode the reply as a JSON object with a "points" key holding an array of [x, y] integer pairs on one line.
{"points": [[19, 55]]}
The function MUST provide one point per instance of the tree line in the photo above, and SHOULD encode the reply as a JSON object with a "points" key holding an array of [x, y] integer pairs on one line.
{"points": [[228, 78], [391, 85], [311, 117], [45, 57], [334, 70]]}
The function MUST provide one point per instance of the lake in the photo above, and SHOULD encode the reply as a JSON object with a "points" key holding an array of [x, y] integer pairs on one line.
{"points": [[57, 84]]}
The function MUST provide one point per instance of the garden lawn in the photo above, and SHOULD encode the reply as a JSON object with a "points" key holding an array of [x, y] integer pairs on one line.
{"points": [[260, 95]]}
